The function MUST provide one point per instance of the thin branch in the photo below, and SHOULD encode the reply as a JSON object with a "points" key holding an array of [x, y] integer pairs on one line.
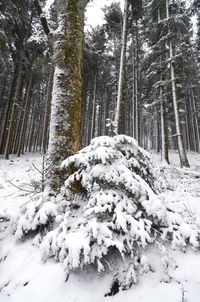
{"points": [[19, 187], [36, 168]]}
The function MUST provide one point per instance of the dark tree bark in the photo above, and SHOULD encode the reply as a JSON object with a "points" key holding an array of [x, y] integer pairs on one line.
{"points": [[13, 117]]}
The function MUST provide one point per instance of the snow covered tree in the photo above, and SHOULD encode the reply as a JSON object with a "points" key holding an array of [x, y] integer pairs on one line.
{"points": [[108, 208]]}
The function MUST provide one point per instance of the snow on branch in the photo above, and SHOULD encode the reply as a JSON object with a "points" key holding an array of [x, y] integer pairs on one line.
{"points": [[108, 206]]}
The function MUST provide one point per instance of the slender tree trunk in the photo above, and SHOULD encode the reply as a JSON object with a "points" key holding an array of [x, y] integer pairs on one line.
{"points": [[96, 126], [192, 123], [156, 130], [93, 107], [25, 115], [47, 111], [197, 137], [163, 117], [164, 136], [11, 129], [133, 82], [31, 122], [187, 128], [136, 86], [182, 154], [7, 110], [105, 110], [120, 104]]}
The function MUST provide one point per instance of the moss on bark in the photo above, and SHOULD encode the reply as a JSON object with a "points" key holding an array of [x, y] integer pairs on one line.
{"points": [[65, 134]]}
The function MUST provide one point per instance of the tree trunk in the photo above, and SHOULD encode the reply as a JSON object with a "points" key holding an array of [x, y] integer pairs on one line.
{"points": [[120, 102], [11, 129], [47, 111], [96, 125], [93, 107], [136, 86], [31, 123], [163, 117], [7, 110], [164, 136], [182, 154], [25, 115], [197, 136], [65, 125]]}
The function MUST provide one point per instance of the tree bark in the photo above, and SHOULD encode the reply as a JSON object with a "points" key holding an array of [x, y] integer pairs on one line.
{"points": [[65, 126], [8, 109], [164, 136], [120, 102], [11, 129], [47, 112], [182, 154], [93, 107], [163, 117], [25, 116]]}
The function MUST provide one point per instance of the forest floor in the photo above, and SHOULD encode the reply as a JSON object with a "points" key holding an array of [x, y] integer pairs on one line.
{"points": [[24, 277]]}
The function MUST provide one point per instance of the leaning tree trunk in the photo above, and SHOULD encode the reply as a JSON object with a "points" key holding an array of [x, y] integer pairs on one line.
{"points": [[120, 101], [182, 154], [65, 125]]}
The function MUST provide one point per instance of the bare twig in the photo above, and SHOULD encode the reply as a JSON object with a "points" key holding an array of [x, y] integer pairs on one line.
{"points": [[36, 168], [19, 187]]}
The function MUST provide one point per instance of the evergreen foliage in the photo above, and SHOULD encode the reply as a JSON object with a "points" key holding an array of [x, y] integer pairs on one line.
{"points": [[109, 206]]}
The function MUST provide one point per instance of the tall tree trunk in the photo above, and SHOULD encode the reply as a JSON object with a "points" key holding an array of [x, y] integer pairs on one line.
{"points": [[3, 130], [120, 101], [25, 115], [30, 127], [47, 111], [182, 154], [192, 123], [136, 85], [133, 81], [156, 130], [164, 136], [65, 126], [187, 128], [96, 125], [195, 117], [11, 129], [163, 115], [93, 107]]}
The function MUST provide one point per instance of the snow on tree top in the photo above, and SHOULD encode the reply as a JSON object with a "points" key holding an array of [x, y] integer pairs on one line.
{"points": [[108, 206]]}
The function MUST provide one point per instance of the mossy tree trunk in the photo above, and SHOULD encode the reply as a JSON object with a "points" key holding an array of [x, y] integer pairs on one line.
{"points": [[65, 125]]}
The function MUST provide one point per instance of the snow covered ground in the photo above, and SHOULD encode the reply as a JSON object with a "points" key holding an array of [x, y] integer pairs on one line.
{"points": [[23, 276]]}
